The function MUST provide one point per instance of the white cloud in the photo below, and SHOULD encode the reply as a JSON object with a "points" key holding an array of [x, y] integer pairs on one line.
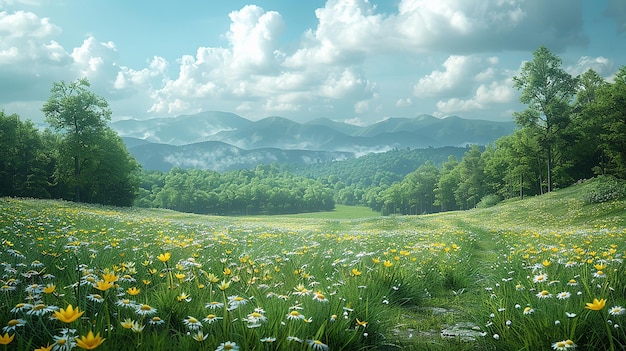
{"points": [[28, 57], [226, 73], [463, 26], [24, 25], [253, 34], [485, 96], [346, 30], [92, 57], [355, 121], [456, 71], [456, 105], [254, 75], [600, 64], [328, 72], [404, 102], [25, 41], [144, 78], [459, 77], [343, 85]]}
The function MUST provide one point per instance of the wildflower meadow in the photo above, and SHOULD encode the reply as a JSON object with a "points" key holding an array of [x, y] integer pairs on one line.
{"points": [[91, 277]]}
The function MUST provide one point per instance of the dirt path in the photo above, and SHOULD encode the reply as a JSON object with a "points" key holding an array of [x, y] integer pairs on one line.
{"points": [[449, 320]]}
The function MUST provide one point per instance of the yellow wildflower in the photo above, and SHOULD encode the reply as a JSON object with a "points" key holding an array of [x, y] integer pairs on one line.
{"points": [[596, 305], [89, 342], [110, 277], [164, 257], [69, 314], [49, 289], [223, 285], [45, 348], [103, 285], [6, 339]]}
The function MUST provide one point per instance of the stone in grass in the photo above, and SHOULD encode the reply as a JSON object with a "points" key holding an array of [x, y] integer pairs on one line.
{"points": [[463, 331]]}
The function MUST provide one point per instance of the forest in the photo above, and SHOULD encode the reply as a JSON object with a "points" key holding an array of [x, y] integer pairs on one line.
{"points": [[573, 128]]}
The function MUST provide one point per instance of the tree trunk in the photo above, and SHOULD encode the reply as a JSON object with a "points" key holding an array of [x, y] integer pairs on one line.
{"points": [[76, 179], [549, 167]]}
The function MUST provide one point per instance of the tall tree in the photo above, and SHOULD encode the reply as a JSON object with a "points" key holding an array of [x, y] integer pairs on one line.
{"points": [[79, 116], [547, 90], [585, 152], [608, 114], [115, 173], [447, 184], [471, 187], [24, 159]]}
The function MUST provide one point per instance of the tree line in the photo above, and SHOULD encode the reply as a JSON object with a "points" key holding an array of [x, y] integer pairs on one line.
{"points": [[264, 190], [573, 128]]}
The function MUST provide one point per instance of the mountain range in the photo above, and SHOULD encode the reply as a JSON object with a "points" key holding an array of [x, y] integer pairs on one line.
{"points": [[223, 141]]}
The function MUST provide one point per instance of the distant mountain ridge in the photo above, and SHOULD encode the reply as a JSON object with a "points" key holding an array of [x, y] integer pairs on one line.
{"points": [[221, 157], [222, 141]]}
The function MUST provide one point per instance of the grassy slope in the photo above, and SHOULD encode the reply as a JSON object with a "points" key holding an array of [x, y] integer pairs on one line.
{"points": [[559, 211], [556, 210]]}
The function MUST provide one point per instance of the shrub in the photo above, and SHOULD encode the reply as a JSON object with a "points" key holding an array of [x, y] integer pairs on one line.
{"points": [[604, 189], [488, 201]]}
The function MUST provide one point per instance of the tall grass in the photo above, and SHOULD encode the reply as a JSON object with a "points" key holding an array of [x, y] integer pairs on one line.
{"points": [[146, 282]]}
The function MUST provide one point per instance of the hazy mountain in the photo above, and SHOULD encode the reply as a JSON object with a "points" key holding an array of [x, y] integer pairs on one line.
{"points": [[348, 129], [320, 134], [219, 156], [222, 141], [181, 130], [279, 132]]}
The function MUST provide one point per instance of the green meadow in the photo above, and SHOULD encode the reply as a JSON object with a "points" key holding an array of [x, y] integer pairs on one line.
{"points": [[543, 273]]}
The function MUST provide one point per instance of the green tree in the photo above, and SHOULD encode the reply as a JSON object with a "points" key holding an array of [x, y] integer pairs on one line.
{"points": [[92, 163], [520, 152], [115, 174], [448, 182], [25, 160], [471, 187], [419, 187], [80, 116], [584, 150], [607, 115], [547, 90]]}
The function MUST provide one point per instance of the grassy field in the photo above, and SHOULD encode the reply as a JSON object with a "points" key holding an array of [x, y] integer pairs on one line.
{"points": [[534, 274]]}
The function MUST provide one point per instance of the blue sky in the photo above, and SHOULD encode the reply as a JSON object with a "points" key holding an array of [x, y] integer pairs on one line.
{"points": [[348, 60]]}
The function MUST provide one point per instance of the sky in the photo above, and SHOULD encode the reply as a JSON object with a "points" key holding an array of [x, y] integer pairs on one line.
{"points": [[355, 61]]}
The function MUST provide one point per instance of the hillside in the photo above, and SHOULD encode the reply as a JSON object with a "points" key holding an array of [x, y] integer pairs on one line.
{"points": [[558, 210], [382, 168]]}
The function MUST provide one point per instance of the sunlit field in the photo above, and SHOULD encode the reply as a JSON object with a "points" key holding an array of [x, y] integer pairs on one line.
{"points": [[539, 274]]}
